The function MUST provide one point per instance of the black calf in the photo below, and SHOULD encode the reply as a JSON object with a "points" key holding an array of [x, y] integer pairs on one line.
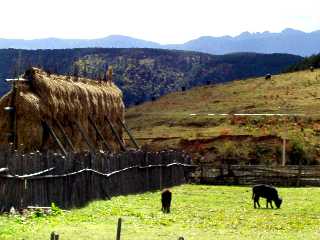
{"points": [[166, 196], [265, 191]]}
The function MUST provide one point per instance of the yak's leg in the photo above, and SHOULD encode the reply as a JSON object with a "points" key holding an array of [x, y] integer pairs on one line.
{"points": [[271, 203], [165, 208], [256, 200], [267, 203]]}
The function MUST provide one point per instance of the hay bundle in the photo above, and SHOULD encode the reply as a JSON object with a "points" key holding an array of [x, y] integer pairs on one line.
{"points": [[69, 100]]}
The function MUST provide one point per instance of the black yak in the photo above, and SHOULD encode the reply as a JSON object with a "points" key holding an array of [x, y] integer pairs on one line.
{"points": [[265, 191], [268, 76], [166, 197]]}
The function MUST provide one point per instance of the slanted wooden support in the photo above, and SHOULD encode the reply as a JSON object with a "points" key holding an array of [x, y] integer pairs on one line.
{"points": [[100, 134], [123, 148], [67, 139], [85, 137], [55, 138], [129, 133]]}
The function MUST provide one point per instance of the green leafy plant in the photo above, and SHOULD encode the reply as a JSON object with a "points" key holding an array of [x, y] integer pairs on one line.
{"points": [[55, 210]]}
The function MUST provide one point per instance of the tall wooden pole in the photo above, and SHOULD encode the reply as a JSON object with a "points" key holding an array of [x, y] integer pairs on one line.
{"points": [[283, 151], [13, 117]]}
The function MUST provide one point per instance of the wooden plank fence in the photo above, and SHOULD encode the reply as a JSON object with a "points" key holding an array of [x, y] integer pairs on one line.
{"points": [[289, 175], [38, 179]]}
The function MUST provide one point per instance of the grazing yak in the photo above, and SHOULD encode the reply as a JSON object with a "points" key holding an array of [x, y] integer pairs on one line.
{"points": [[268, 76], [166, 197], [265, 191]]}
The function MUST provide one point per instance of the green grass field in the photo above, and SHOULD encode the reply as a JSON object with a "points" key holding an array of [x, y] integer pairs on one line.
{"points": [[198, 212]]}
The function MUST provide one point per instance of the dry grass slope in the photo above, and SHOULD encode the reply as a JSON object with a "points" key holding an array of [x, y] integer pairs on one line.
{"points": [[167, 121]]}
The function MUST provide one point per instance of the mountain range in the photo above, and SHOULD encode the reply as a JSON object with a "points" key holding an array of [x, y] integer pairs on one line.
{"points": [[288, 41]]}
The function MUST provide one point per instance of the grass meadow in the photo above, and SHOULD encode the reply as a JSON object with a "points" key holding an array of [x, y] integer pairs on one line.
{"points": [[198, 212]]}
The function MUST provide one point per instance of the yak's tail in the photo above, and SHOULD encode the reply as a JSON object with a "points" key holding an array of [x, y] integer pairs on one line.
{"points": [[252, 194]]}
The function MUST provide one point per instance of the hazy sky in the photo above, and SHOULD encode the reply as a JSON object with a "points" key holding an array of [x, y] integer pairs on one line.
{"points": [[164, 21]]}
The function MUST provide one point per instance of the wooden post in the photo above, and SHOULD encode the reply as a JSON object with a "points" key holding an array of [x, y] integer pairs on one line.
{"points": [[119, 229], [13, 117], [147, 170], [283, 151], [55, 138], [129, 134], [123, 148], [99, 133], [67, 139], [299, 173], [160, 173]]}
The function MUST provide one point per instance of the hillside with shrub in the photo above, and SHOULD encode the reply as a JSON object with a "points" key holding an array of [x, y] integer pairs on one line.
{"points": [[306, 63], [243, 121], [143, 74]]}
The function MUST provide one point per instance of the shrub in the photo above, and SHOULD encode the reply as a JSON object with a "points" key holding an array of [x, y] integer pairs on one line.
{"points": [[297, 153]]}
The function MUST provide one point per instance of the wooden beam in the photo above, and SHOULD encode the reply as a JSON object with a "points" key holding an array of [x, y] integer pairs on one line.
{"points": [[54, 136], [85, 137], [67, 139], [123, 148], [99, 133], [129, 133]]}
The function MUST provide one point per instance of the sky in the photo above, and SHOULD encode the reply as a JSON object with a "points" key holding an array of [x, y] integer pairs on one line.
{"points": [[163, 21]]}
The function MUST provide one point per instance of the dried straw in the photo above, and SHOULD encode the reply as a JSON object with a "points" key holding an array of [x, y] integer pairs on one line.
{"points": [[68, 100]]}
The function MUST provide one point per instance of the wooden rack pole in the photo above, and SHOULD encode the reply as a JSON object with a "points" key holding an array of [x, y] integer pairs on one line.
{"points": [[54, 136], [123, 148], [99, 133], [67, 139], [129, 133]]}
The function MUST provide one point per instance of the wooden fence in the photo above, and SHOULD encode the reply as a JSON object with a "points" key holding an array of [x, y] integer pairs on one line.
{"points": [[40, 179], [289, 175]]}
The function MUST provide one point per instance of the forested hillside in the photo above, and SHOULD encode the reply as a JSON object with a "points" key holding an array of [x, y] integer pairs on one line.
{"points": [[143, 74], [306, 63]]}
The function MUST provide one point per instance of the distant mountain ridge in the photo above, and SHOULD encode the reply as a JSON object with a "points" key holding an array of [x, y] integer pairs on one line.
{"points": [[112, 41], [288, 41]]}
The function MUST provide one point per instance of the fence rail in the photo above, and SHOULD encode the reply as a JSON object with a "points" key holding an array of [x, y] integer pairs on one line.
{"points": [[72, 181], [290, 175]]}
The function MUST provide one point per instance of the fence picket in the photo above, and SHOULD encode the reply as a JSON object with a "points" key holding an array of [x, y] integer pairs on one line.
{"points": [[43, 178]]}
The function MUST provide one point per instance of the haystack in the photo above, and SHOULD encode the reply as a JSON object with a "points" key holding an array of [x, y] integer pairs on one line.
{"points": [[68, 100]]}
